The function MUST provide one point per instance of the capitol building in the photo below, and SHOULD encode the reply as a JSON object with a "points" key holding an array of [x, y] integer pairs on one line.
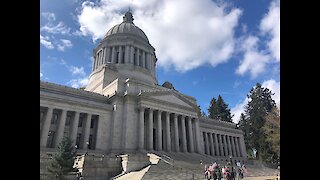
{"points": [[123, 111]]}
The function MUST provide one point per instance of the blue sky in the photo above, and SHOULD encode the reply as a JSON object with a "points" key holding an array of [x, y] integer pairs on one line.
{"points": [[204, 47]]}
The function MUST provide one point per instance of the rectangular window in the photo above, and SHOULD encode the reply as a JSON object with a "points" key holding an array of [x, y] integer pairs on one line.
{"points": [[68, 120], [117, 57], [78, 140], [92, 123], [54, 118], [90, 142], [80, 122], [50, 139]]}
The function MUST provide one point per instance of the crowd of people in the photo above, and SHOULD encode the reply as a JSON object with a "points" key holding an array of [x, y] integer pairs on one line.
{"points": [[228, 172]]}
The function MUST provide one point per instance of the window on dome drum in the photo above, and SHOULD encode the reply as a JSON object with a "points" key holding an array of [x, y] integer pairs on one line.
{"points": [[78, 140], [68, 120], [50, 139], [117, 57], [80, 122], [134, 59], [122, 58], [54, 118]]}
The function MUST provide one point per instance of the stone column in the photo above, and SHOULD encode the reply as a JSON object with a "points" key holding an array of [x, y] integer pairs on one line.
{"points": [[106, 57], [211, 143], [113, 55], [191, 146], [233, 147], [183, 130], [229, 145], [206, 142], [131, 55], [220, 145], [216, 144], [143, 59], [141, 128], [159, 132], [87, 131], [243, 147], [197, 131], [60, 130], [126, 55], [225, 145], [150, 128], [236, 146], [137, 57], [168, 131], [176, 133], [46, 127], [120, 55], [74, 128]]}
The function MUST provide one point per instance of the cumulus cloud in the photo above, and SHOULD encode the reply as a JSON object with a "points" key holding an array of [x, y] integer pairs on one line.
{"points": [[270, 25], [185, 34], [59, 28], [77, 70], [49, 16], [77, 83], [272, 85], [253, 60], [45, 41], [63, 44]]}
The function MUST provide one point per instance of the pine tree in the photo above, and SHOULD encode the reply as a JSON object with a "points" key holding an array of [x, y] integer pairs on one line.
{"points": [[260, 103], [62, 162], [219, 110]]}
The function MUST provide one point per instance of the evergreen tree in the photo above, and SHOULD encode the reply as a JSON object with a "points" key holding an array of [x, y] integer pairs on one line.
{"points": [[62, 162], [219, 110], [260, 103]]}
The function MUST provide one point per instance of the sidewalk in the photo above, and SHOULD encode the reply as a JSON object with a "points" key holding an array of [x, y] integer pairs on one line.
{"points": [[260, 178]]}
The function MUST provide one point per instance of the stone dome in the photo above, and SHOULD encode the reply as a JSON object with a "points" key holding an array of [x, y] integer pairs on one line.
{"points": [[127, 27]]}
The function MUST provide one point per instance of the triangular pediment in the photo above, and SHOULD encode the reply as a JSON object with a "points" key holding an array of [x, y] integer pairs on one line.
{"points": [[170, 97]]}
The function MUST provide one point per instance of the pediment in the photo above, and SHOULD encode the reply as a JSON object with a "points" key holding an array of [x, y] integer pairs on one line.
{"points": [[171, 98]]}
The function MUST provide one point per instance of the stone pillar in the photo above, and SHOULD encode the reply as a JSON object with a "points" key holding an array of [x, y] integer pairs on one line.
{"points": [[159, 132], [206, 142], [233, 147], [113, 54], [141, 128], [106, 57], [126, 55], [120, 55], [216, 144], [143, 59], [211, 144], [61, 125], [150, 129], [236, 147], [46, 127], [176, 133], [87, 131], [243, 147], [229, 145], [220, 145], [131, 55], [225, 145], [191, 146], [74, 128], [168, 132], [183, 130], [137, 57], [197, 131]]}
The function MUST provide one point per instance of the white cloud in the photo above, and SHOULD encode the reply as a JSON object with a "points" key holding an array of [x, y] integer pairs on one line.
{"points": [[253, 60], [41, 74], [274, 86], [64, 43], [77, 70], [45, 42], [185, 34], [60, 28], [77, 83], [270, 24], [49, 16], [238, 109]]}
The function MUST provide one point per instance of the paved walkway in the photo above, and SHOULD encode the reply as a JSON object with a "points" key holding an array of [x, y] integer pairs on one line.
{"points": [[260, 178]]}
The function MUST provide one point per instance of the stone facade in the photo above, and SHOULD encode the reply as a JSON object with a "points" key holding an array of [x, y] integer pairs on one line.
{"points": [[124, 110]]}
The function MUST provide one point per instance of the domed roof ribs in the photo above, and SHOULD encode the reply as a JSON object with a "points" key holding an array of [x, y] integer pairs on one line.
{"points": [[128, 17]]}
